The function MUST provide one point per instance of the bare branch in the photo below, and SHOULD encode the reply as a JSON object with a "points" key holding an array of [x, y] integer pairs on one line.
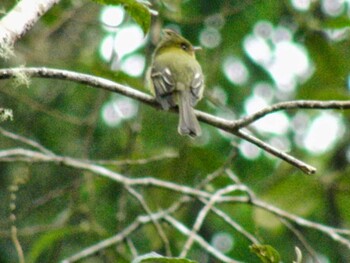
{"points": [[126, 232], [21, 19], [105, 243], [158, 157], [334, 233], [34, 156], [17, 244], [132, 247], [282, 155], [156, 224], [203, 213], [25, 140], [86, 79], [213, 251], [232, 223], [289, 105], [97, 82], [302, 239]]}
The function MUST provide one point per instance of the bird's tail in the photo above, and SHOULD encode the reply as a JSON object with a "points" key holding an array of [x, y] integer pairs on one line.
{"points": [[188, 123]]}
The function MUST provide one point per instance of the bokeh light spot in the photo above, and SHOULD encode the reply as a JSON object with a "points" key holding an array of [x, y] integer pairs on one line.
{"points": [[128, 39], [215, 21], [276, 123], [223, 242], [254, 103], [287, 62], [235, 71], [333, 7], [264, 90], [257, 49], [106, 48], [324, 131], [301, 5], [210, 38], [249, 151], [263, 29], [282, 34], [134, 65], [290, 63], [118, 109], [112, 17]]}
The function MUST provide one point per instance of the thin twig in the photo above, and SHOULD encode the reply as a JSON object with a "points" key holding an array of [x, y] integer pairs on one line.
{"points": [[232, 223], [202, 215], [282, 155], [212, 176], [126, 232], [288, 105], [17, 244], [155, 158], [25, 140], [334, 233], [156, 224], [236, 180], [100, 170], [105, 243], [132, 247], [210, 249], [302, 239]]}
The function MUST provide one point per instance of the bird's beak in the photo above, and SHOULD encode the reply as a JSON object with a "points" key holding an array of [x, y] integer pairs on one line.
{"points": [[197, 48]]}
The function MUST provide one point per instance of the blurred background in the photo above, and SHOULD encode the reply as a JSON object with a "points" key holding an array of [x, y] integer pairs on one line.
{"points": [[255, 53]]}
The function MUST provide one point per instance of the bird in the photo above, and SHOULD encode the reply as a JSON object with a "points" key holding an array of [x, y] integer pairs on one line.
{"points": [[175, 78]]}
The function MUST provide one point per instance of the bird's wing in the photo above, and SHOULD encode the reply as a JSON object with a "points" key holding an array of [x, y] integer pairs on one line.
{"points": [[164, 86], [197, 87]]}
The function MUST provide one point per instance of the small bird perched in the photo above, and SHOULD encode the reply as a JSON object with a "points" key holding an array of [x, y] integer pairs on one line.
{"points": [[176, 78]]}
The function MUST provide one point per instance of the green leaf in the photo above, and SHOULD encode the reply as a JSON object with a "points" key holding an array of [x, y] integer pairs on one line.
{"points": [[266, 253], [47, 240], [156, 258], [136, 9], [339, 22]]}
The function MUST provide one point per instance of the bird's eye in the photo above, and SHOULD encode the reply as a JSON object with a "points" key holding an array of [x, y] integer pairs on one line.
{"points": [[184, 46]]}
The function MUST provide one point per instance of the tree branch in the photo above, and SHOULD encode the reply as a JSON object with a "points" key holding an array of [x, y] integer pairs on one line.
{"points": [[289, 105], [226, 125], [200, 240], [21, 19], [155, 222], [203, 213], [282, 155], [334, 233], [24, 140], [33, 156], [122, 235]]}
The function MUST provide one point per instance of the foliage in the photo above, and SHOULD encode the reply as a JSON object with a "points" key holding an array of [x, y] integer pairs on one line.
{"points": [[137, 10], [266, 253], [60, 210]]}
